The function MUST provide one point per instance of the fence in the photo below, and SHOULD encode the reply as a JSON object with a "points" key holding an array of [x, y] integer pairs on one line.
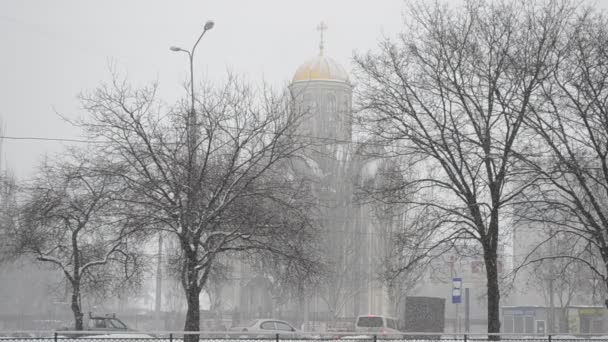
{"points": [[226, 336]]}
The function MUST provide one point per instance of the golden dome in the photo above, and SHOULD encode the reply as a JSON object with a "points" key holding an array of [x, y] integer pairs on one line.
{"points": [[321, 68]]}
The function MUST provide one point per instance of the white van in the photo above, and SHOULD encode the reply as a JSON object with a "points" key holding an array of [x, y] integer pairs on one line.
{"points": [[377, 324]]}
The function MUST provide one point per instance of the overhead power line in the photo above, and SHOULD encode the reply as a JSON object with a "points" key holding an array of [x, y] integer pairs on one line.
{"points": [[89, 141], [49, 139]]}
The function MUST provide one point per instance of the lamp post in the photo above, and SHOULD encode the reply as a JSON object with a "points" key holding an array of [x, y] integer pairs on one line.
{"points": [[192, 117], [192, 137]]}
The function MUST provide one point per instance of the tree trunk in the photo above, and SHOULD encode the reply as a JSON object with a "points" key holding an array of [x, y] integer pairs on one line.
{"points": [[76, 310], [193, 290], [604, 254], [300, 313], [606, 283], [563, 321], [490, 259], [306, 324], [193, 314]]}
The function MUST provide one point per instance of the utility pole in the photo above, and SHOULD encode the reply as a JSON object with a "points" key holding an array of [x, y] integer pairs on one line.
{"points": [[159, 283]]}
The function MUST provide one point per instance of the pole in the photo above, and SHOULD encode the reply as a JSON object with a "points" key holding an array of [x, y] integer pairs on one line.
{"points": [[467, 307], [457, 324], [193, 121], [551, 307], [192, 115], [551, 316], [159, 282], [191, 57]]}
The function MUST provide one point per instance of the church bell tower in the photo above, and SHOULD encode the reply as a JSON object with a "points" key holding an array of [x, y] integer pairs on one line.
{"points": [[323, 95]]}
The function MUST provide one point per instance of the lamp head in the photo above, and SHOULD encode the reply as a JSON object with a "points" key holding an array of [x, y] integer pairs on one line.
{"points": [[209, 25]]}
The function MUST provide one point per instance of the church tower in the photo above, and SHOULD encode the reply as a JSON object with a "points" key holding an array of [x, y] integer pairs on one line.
{"points": [[352, 238], [323, 93]]}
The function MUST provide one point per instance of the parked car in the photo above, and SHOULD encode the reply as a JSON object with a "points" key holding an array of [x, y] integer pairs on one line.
{"points": [[106, 326], [266, 327], [106, 323], [377, 325]]}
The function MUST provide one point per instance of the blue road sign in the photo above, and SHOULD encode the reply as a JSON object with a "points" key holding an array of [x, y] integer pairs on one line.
{"points": [[456, 290]]}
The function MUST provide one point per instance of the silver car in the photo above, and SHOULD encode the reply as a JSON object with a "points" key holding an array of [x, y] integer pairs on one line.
{"points": [[265, 327]]}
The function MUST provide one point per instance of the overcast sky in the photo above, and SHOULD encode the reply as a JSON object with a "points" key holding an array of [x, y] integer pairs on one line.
{"points": [[52, 50]]}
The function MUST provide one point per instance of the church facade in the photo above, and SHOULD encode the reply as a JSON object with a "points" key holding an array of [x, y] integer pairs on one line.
{"points": [[355, 236]]}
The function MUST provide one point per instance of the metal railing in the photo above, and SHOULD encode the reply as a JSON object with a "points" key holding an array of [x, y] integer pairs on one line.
{"points": [[237, 336]]}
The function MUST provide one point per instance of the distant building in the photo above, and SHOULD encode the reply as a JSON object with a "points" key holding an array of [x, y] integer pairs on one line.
{"points": [[560, 295], [572, 320]]}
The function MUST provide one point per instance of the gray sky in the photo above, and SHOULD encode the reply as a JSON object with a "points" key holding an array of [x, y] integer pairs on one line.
{"points": [[52, 50]]}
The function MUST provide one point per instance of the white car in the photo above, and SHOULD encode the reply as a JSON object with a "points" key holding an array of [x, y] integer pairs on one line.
{"points": [[377, 324], [266, 327]]}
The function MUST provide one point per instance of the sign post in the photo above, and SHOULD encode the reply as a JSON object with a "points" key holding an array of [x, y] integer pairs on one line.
{"points": [[467, 308]]}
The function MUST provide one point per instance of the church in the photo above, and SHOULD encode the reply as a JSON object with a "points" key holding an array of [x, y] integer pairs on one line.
{"points": [[356, 234]]}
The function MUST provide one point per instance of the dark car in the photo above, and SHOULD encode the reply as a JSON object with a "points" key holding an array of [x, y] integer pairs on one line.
{"points": [[105, 323]]}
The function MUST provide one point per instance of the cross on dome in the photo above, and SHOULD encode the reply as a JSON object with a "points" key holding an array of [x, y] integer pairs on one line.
{"points": [[321, 68], [321, 27]]}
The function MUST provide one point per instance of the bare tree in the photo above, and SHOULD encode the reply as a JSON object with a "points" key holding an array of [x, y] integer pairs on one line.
{"points": [[571, 121], [451, 95], [69, 220], [562, 281], [343, 280], [293, 281], [345, 276], [406, 259], [217, 186], [406, 241]]}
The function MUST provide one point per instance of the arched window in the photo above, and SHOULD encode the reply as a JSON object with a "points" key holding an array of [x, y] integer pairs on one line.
{"points": [[305, 104], [345, 105], [345, 116], [331, 103], [332, 115], [308, 112]]}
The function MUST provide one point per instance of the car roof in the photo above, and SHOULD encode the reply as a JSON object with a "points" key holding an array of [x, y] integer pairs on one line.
{"points": [[381, 316], [259, 321]]}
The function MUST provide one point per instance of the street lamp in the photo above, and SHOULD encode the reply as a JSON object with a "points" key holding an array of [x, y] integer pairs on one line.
{"points": [[192, 119], [193, 183]]}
